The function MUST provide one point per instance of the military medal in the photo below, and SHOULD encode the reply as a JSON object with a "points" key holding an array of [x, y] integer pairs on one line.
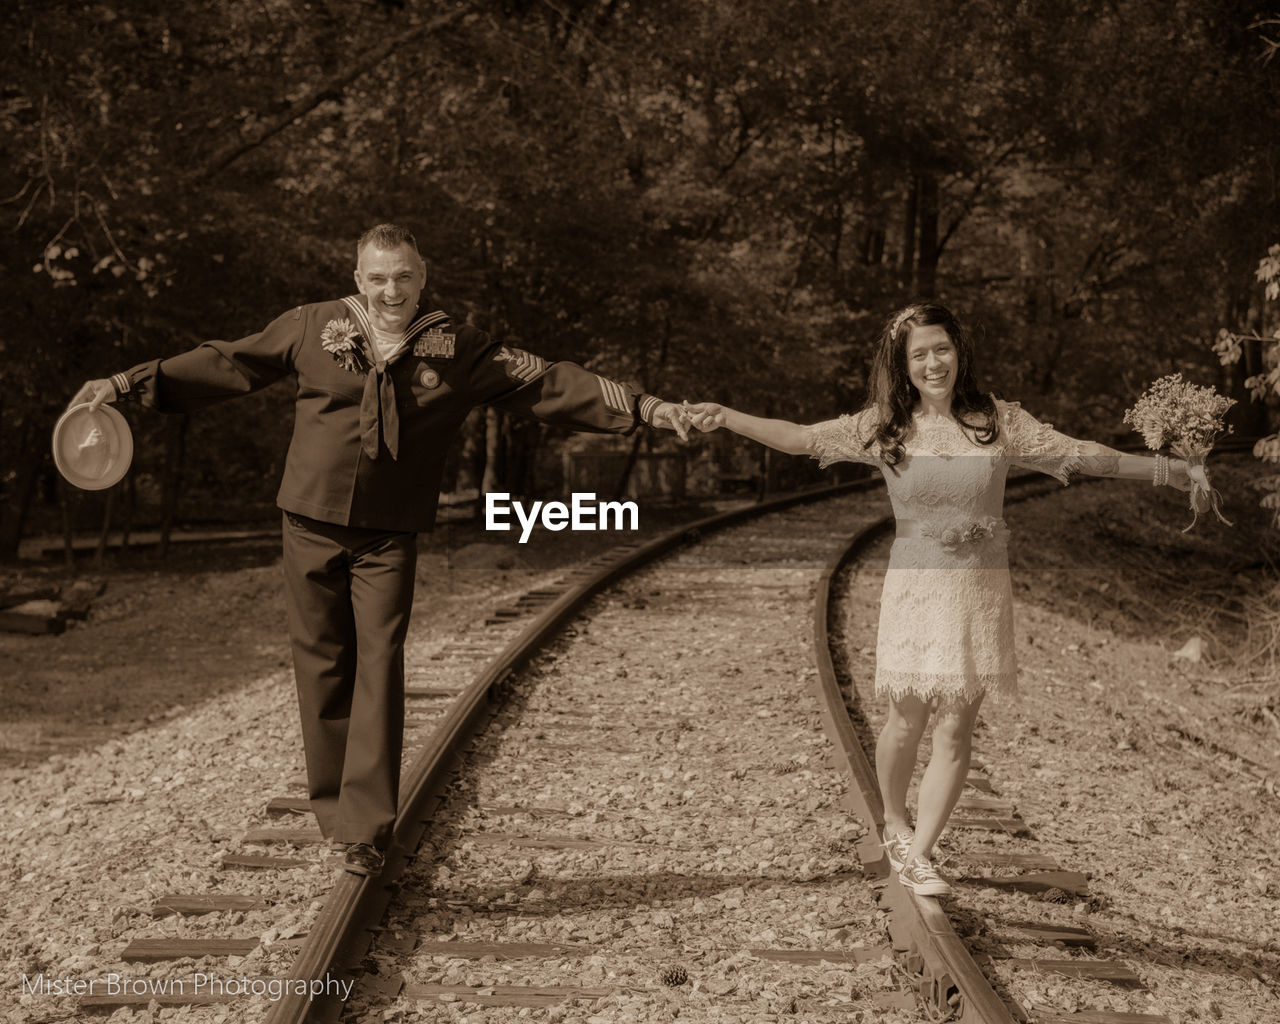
{"points": [[428, 378], [434, 343]]}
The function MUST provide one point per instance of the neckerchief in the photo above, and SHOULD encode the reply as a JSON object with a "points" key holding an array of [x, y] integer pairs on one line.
{"points": [[378, 413]]}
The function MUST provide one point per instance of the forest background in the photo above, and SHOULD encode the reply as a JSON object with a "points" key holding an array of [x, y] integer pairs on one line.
{"points": [[712, 199]]}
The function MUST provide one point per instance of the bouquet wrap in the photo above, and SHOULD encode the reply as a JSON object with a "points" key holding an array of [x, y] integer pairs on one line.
{"points": [[1204, 496]]}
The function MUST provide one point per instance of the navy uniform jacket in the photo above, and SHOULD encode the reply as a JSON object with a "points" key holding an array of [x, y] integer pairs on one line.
{"points": [[369, 448]]}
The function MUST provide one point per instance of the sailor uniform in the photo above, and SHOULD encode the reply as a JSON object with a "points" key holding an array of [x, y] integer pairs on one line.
{"points": [[361, 478], [369, 448]]}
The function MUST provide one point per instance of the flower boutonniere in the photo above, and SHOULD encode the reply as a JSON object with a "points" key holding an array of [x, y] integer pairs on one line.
{"points": [[340, 339]]}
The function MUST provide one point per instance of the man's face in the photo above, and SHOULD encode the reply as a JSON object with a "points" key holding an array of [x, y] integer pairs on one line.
{"points": [[392, 280]]}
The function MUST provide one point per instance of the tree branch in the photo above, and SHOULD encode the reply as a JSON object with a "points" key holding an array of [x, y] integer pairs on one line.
{"points": [[316, 95]]}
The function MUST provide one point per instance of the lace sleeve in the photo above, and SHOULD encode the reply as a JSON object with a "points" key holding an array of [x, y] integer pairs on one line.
{"points": [[843, 439], [1037, 446]]}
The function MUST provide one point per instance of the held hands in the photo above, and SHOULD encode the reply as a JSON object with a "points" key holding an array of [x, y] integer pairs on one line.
{"points": [[706, 416], [669, 416], [95, 392]]}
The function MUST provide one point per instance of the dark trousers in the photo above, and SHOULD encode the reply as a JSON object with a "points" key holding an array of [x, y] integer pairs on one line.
{"points": [[350, 591]]}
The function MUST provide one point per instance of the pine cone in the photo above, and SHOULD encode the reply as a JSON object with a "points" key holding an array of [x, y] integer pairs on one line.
{"points": [[674, 976], [785, 767], [1056, 896]]}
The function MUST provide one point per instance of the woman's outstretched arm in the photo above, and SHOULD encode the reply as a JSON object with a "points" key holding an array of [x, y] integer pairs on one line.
{"points": [[783, 435], [1036, 445], [1099, 460]]}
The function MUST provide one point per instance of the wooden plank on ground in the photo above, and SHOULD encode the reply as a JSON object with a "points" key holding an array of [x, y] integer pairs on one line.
{"points": [[429, 691], [288, 805], [857, 955], [1065, 934], [34, 617], [233, 861], [1011, 826], [984, 803], [499, 950], [173, 995], [1041, 881], [145, 951], [505, 995], [537, 843], [534, 811], [979, 782], [166, 906], [10, 598], [1029, 861], [1098, 970], [1048, 1015], [296, 836]]}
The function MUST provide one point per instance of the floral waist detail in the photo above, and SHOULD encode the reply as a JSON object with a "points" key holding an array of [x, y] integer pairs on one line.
{"points": [[952, 534]]}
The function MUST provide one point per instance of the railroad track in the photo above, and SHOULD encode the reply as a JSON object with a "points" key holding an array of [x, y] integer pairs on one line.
{"points": [[507, 741]]}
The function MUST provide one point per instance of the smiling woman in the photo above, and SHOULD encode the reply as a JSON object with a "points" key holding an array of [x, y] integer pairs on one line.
{"points": [[946, 636]]}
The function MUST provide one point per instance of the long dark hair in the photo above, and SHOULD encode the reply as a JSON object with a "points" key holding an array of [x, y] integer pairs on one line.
{"points": [[893, 397]]}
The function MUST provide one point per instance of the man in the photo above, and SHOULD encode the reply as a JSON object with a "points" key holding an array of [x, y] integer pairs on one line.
{"points": [[382, 388]]}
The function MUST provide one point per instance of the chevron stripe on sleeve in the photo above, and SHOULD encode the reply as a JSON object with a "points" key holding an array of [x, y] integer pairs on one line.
{"points": [[523, 366], [614, 396]]}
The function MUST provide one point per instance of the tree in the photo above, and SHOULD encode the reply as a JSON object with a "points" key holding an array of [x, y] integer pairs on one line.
{"points": [[1258, 352]]}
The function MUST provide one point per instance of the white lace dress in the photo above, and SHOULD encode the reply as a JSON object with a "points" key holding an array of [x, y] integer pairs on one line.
{"points": [[946, 612]]}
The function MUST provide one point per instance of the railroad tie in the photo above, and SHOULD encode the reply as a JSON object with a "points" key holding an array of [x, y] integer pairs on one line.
{"points": [[504, 995], [1096, 970], [252, 862], [167, 906], [1048, 1015]]}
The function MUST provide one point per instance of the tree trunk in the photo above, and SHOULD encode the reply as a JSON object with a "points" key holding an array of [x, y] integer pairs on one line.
{"points": [[171, 485], [68, 529], [927, 263], [100, 552], [633, 456], [130, 505], [491, 481], [21, 489], [907, 264], [766, 467]]}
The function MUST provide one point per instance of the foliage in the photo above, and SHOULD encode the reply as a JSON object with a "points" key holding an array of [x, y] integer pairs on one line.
{"points": [[1264, 385], [714, 200]]}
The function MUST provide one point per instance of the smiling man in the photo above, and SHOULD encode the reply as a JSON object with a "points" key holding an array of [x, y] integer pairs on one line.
{"points": [[383, 387]]}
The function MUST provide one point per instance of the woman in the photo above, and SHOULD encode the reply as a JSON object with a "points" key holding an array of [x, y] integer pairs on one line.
{"points": [[946, 612]]}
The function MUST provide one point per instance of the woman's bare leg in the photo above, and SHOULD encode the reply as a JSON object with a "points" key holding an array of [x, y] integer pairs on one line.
{"points": [[896, 757], [944, 777]]}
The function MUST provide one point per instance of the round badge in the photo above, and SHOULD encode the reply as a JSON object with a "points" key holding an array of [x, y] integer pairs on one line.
{"points": [[429, 378], [92, 448]]}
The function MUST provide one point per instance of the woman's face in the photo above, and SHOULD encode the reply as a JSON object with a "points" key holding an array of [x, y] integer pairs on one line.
{"points": [[932, 361]]}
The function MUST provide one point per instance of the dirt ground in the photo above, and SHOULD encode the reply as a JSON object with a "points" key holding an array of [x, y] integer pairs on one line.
{"points": [[168, 635]]}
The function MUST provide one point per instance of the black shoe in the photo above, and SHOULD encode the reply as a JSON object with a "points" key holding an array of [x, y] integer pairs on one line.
{"points": [[363, 859]]}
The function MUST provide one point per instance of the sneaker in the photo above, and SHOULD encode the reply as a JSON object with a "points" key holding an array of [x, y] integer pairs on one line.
{"points": [[363, 859], [897, 846], [922, 878]]}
